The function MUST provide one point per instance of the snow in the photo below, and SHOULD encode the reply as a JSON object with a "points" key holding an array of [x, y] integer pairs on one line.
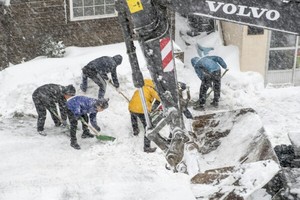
{"points": [[37, 167]]}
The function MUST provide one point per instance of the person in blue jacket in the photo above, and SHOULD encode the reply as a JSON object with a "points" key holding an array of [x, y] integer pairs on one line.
{"points": [[83, 108], [209, 72], [98, 69]]}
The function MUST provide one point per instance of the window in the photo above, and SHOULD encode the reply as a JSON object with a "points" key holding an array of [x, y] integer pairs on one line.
{"points": [[280, 39], [255, 30], [92, 9], [284, 59], [281, 59], [283, 48]]}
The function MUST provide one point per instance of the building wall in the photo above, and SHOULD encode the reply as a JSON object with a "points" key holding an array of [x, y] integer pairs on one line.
{"points": [[252, 48], [29, 22], [254, 52], [3, 40]]}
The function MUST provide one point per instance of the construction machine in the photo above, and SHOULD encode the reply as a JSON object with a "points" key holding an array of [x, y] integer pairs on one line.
{"points": [[148, 21]]}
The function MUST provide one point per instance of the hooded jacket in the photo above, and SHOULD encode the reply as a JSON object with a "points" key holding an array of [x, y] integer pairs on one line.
{"points": [[105, 65], [82, 105], [52, 93], [135, 104], [207, 64]]}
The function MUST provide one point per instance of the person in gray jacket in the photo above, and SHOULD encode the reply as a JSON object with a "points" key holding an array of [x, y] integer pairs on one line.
{"points": [[98, 69], [45, 98], [209, 72]]}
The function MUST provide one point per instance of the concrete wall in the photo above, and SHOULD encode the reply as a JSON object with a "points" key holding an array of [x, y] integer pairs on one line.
{"points": [[252, 48], [29, 22]]}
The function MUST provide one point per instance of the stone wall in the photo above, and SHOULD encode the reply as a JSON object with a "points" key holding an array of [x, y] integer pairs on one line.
{"points": [[25, 25], [3, 41]]}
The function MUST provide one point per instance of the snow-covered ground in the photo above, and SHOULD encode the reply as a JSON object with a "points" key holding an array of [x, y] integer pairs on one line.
{"points": [[46, 168]]}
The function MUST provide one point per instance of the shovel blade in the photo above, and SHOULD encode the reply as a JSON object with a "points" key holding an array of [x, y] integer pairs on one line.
{"points": [[105, 138]]}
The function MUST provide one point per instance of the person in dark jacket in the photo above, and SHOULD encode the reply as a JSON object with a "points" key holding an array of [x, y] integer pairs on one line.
{"points": [[83, 108], [98, 69], [45, 98], [209, 72]]}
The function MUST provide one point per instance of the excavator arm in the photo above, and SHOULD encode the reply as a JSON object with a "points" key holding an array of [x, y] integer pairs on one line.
{"points": [[148, 22]]}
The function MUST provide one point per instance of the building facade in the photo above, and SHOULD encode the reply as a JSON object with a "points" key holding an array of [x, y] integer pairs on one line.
{"points": [[26, 24], [275, 55]]}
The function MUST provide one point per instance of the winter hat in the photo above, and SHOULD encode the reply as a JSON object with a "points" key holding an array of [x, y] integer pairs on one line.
{"points": [[103, 103], [194, 61], [118, 58], [69, 90]]}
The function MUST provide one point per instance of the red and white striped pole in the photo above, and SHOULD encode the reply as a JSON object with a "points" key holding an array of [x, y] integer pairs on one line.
{"points": [[166, 54]]}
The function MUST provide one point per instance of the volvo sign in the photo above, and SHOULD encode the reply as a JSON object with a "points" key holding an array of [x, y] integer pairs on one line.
{"points": [[270, 14], [241, 10]]}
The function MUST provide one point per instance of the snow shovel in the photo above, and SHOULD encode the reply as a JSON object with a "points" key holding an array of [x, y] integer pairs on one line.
{"points": [[60, 119], [109, 81], [97, 134], [212, 89]]}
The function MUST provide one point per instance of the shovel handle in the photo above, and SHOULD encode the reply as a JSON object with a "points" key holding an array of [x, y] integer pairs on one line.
{"points": [[226, 70], [60, 119], [98, 135], [90, 127], [110, 82]]}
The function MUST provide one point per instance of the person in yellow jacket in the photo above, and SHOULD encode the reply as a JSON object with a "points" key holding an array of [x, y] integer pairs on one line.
{"points": [[136, 110]]}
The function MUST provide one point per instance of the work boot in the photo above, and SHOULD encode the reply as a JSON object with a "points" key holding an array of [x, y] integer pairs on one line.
{"points": [[198, 107], [42, 133], [149, 149], [75, 145], [87, 134], [214, 104]]}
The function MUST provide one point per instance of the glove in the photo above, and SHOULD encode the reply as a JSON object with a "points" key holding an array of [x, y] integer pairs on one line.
{"points": [[98, 128]]}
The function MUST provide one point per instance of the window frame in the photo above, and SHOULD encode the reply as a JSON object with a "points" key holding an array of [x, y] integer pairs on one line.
{"points": [[294, 47], [72, 18]]}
